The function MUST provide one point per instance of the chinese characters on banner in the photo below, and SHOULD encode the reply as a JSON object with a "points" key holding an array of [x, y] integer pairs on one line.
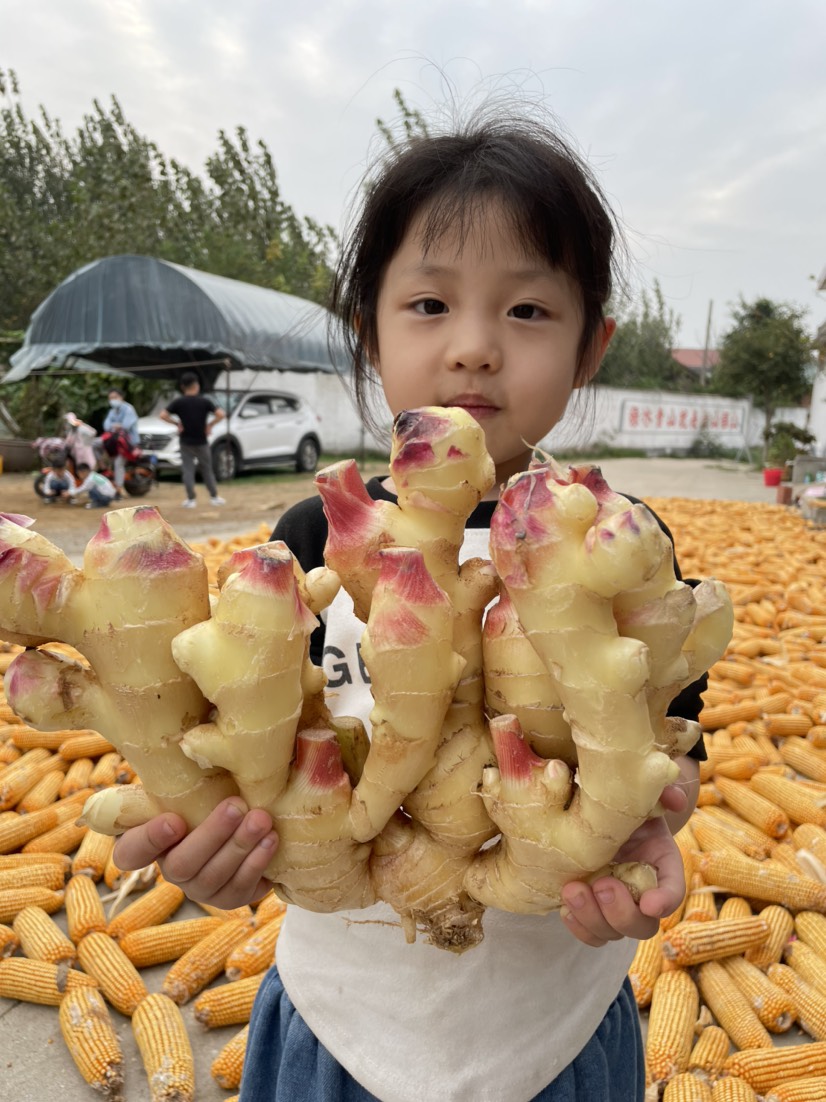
{"points": [[657, 416]]}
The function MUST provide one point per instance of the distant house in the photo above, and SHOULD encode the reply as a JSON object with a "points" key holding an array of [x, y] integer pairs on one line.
{"points": [[700, 362]]}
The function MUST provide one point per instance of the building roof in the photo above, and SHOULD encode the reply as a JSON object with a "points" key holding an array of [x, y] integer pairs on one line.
{"points": [[696, 359], [130, 311]]}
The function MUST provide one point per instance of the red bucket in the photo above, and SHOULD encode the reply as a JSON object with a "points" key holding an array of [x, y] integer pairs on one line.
{"points": [[772, 476]]}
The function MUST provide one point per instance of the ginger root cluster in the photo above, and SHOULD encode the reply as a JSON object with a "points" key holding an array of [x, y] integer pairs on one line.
{"points": [[518, 734]]}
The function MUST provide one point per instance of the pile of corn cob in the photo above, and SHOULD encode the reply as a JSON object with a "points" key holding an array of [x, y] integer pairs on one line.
{"points": [[732, 989], [76, 932]]}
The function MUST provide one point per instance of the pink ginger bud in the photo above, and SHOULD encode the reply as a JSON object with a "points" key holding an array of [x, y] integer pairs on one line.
{"points": [[318, 764]]}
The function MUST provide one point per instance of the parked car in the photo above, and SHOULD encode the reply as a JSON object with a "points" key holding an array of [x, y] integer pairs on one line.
{"points": [[263, 428]]}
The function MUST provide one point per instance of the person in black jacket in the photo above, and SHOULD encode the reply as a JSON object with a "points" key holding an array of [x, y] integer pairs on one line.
{"points": [[195, 414]]}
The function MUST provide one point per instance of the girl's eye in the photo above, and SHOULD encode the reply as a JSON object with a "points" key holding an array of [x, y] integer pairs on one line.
{"points": [[525, 311], [430, 306]]}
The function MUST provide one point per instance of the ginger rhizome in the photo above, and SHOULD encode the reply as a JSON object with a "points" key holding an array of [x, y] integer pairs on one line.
{"points": [[140, 586], [591, 579], [518, 730]]}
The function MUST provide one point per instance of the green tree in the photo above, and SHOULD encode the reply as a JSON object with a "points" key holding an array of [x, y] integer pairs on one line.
{"points": [[410, 122], [639, 355], [66, 201], [766, 355]]}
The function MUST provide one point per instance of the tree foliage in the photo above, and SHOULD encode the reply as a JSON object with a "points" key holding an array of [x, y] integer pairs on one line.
{"points": [[411, 122], [766, 355], [639, 355], [68, 200]]}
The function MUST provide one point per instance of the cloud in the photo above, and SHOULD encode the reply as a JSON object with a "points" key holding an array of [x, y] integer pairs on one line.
{"points": [[704, 121]]}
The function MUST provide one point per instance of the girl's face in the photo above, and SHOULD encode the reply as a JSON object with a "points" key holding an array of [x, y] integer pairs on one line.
{"points": [[485, 326]]}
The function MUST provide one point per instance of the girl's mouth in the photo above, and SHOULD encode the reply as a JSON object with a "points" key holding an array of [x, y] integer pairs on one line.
{"points": [[477, 406]]}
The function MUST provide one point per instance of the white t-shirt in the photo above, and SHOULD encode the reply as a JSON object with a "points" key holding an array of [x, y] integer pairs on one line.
{"points": [[411, 1022]]}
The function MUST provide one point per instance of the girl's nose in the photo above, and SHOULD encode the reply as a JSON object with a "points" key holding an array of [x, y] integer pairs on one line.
{"points": [[474, 347]]}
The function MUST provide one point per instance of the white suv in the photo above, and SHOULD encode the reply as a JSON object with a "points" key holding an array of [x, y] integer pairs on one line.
{"points": [[263, 428]]}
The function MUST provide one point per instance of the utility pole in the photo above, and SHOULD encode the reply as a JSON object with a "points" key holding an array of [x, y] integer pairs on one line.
{"points": [[706, 371]]}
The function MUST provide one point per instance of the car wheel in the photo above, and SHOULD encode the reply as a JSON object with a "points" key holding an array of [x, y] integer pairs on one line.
{"points": [[306, 458], [225, 462]]}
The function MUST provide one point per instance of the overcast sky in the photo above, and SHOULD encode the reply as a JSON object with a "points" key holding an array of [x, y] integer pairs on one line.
{"points": [[705, 120]]}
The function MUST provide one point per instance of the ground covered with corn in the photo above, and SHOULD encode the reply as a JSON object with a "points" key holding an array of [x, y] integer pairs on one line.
{"points": [[732, 990]]}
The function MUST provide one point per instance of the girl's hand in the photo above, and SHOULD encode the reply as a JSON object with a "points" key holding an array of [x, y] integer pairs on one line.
{"points": [[220, 862], [605, 911]]}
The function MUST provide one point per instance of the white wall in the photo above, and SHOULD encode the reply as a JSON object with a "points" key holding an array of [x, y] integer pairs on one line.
{"points": [[659, 422]]}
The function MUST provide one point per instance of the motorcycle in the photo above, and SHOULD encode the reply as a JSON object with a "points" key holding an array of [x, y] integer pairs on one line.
{"points": [[140, 471]]}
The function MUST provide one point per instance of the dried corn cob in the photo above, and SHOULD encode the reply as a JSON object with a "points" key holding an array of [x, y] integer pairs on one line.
{"points": [[772, 1005], [14, 900], [229, 1004], [796, 801], [84, 909], [709, 1053], [693, 942], [229, 1063], [164, 1046], [686, 1087], [41, 938], [61, 839], [44, 793], [754, 880], [106, 769], [159, 944], [92, 855], [811, 927], [92, 1041], [732, 1088], [700, 905], [674, 1006], [805, 758], [753, 807], [257, 952], [204, 961], [38, 981], [77, 777], [781, 925], [734, 906], [812, 1089], [9, 941], [103, 959], [30, 860], [271, 907], [87, 745], [153, 908], [765, 1068], [41, 875], [810, 1005], [806, 962], [731, 1008]]}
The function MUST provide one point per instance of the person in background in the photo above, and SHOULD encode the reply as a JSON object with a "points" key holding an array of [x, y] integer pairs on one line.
{"points": [[59, 485], [79, 440], [100, 490], [122, 417], [195, 414]]}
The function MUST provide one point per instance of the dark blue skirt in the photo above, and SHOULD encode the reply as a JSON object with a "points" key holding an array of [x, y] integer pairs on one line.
{"points": [[286, 1063]]}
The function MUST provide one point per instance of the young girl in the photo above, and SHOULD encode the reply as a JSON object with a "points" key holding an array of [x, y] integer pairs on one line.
{"points": [[477, 276]]}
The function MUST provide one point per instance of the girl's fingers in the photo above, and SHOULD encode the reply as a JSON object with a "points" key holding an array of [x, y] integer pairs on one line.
{"points": [[604, 911], [229, 850], [141, 845]]}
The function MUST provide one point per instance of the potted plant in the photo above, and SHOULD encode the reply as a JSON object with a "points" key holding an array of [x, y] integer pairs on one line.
{"points": [[784, 442]]}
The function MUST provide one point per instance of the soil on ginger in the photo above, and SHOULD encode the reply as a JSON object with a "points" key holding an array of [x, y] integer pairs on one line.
{"points": [[253, 504]]}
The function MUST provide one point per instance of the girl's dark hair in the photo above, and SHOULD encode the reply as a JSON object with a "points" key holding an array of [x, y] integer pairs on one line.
{"points": [[558, 209]]}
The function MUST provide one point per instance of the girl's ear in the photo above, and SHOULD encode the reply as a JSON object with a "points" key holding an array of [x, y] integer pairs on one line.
{"points": [[593, 357]]}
